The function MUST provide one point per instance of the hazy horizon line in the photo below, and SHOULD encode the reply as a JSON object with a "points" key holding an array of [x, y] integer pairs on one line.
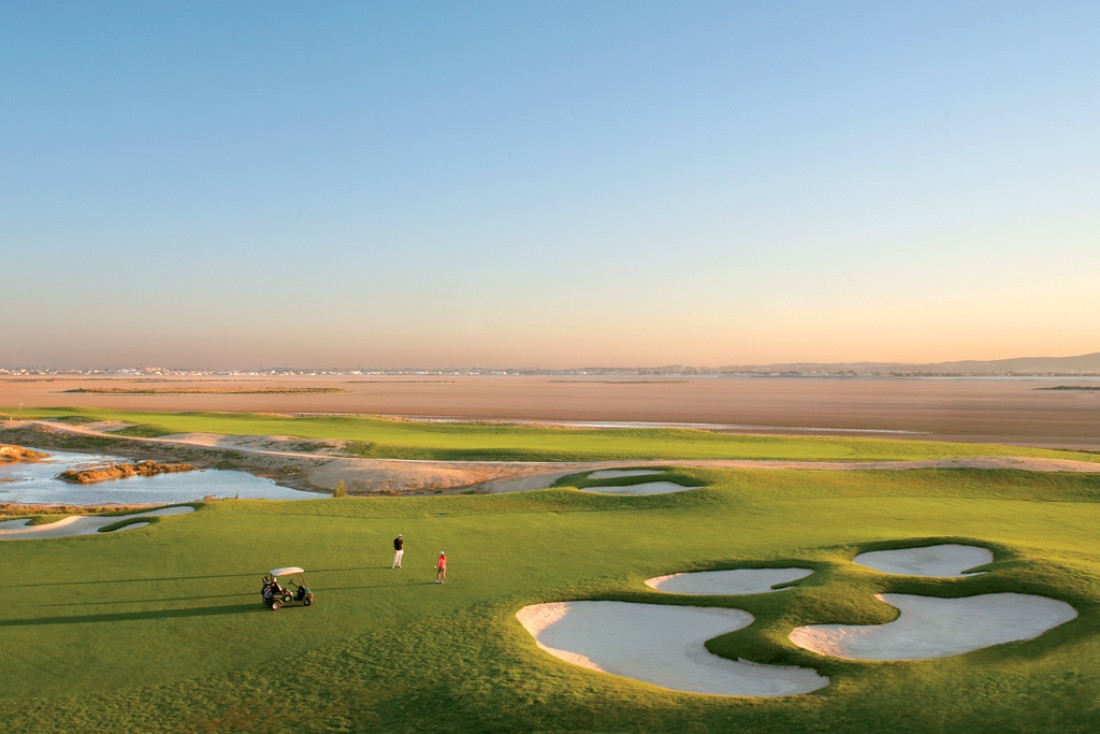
{"points": [[537, 368]]}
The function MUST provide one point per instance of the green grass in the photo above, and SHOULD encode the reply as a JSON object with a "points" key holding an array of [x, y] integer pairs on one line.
{"points": [[160, 628], [381, 438]]}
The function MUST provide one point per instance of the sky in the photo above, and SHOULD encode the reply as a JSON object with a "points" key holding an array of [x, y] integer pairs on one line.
{"points": [[555, 184]]}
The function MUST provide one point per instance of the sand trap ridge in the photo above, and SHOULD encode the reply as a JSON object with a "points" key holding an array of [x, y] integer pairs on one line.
{"points": [[659, 644], [133, 526], [944, 561], [737, 581], [929, 627], [641, 489], [80, 525]]}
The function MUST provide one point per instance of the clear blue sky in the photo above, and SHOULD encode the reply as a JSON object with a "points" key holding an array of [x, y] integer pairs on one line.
{"points": [[510, 184]]}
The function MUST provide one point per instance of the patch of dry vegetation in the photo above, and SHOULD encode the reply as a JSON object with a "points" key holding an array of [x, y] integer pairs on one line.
{"points": [[10, 454], [122, 471], [45, 514]]}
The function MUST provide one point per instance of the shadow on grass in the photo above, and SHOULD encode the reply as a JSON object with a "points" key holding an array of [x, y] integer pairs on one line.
{"points": [[358, 588], [138, 616], [146, 601], [242, 596], [258, 573]]}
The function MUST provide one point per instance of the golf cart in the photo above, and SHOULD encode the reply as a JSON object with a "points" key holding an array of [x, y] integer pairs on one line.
{"points": [[275, 594]]}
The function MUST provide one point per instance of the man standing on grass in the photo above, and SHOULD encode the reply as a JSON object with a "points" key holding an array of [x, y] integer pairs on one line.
{"points": [[398, 550]]}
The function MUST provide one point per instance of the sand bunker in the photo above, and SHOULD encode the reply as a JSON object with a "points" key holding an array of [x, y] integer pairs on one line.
{"points": [[661, 645], [616, 473], [737, 581], [133, 526], [640, 489], [944, 561], [79, 525], [929, 627]]}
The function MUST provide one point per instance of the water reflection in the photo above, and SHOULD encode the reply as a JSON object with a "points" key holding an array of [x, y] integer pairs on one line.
{"points": [[37, 483]]}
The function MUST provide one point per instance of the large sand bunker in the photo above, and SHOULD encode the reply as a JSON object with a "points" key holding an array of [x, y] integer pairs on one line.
{"points": [[949, 560], [641, 489], [930, 627], [80, 525], [737, 581], [659, 644]]}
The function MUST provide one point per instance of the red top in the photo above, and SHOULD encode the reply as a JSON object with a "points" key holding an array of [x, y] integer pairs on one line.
{"points": [[442, 562]]}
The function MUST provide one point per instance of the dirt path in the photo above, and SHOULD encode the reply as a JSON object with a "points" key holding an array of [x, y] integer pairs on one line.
{"points": [[322, 471]]}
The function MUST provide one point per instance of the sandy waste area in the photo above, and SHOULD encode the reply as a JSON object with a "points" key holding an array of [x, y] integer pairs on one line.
{"points": [[661, 645], [991, 411]]}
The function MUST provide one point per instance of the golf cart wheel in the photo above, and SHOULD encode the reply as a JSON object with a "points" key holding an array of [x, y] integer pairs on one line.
{"points": [[275, 604], [307, 601]]}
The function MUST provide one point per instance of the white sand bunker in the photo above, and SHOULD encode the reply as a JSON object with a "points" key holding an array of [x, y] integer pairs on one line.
{"points": [[737, 581], [929, 627], [616, 473], [80, 525], [640, 489], [944, 561], [658, 644], [133, 526]]}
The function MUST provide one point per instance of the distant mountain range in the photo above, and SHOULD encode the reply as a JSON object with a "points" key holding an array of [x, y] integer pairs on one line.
{"points": [[1085, 364]]}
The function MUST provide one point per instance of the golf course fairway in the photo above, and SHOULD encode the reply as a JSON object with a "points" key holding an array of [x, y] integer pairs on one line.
{"points": [[161, 628], [376, 437]]}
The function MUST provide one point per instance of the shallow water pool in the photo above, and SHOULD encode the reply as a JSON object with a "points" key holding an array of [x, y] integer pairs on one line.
{"points": [[37, 483]]}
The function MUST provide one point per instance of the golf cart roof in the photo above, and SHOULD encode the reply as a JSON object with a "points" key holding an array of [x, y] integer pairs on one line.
{"points": [[286, 570]]}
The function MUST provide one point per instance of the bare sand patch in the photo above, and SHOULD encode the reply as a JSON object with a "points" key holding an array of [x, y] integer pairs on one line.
{"points": [[948, 560], [930, 627], [642, 489], [661, 645], [618, 473], [273, 443], [106, 426], [723, 583], [79, 525]]}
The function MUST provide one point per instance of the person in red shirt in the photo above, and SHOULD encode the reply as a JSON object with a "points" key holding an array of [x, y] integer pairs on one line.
{"points": [[441, 568]]}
